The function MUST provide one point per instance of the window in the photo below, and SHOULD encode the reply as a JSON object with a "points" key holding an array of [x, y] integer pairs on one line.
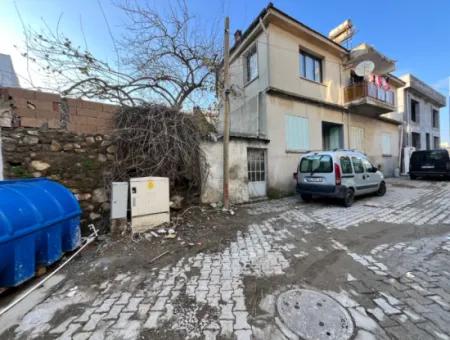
{"points": [[428, 140], [251, 64], [316, 164], [435, 118], [415, 140], [387, 144], [367, 165], [357, 138], [437, 143], [256, 165], [357, 165], [414, 110], [297, 133], [346, 165], [310, 67]]}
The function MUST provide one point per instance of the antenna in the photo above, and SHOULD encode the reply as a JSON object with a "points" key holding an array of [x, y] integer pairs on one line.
{"points": [[365, 68]]}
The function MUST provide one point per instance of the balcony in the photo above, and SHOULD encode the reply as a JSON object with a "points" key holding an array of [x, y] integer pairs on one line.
{"points": [[368, 99]]}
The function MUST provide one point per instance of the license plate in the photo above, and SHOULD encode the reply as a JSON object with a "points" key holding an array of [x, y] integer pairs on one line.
{"points": [[427, 166], [314, 179]]}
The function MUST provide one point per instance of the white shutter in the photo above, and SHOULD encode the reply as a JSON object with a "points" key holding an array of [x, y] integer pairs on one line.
{"points": [[357, 138], [297, 133], [387, 144]]}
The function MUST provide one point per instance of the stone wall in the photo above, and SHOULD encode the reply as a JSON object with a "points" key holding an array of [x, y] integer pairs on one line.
{"points": [[78, 161]]}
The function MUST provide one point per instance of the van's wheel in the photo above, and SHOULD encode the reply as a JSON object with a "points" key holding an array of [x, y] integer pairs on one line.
{"points": [[382, 189], [306, 197], [349, 198]]}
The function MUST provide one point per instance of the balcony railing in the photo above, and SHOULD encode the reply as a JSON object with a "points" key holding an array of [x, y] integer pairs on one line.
{"points": [[368, 89]]}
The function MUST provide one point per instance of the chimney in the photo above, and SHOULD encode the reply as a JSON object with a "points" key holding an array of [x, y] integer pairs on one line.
{"points": [[237, 36]]}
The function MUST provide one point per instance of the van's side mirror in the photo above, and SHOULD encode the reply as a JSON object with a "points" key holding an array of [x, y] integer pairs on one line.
{"points": [[295, 175], [374, 169]]}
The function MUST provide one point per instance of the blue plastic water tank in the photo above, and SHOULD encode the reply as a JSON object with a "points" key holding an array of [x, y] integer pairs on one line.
{"points": [[39, 221]]}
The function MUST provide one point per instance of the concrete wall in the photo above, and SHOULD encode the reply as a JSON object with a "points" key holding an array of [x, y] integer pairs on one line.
{"points": [[424, 124], [212, 188], [247, 107]]}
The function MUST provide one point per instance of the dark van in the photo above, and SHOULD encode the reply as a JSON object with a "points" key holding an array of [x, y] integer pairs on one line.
{"points": [[429, 163]]}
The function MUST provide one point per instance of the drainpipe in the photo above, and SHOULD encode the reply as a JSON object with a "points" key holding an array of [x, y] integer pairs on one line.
{"points": [[266, 33], [260, 98]]}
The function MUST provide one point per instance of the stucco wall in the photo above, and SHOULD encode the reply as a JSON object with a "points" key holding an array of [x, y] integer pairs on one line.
{"points": [[246, 103], [212, 188], [282, 163], [285, 67]]}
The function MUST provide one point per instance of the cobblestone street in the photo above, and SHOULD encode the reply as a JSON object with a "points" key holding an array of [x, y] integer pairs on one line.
{"points": [[385, 260]]}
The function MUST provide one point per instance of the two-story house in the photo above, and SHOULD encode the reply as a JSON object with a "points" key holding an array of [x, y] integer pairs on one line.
{"points": [[295, 90]]}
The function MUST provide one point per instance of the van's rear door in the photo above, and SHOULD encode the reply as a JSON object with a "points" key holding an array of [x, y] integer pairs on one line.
{"points": [[317, 171]]}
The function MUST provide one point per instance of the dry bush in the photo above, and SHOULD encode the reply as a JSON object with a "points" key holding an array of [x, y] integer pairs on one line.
{"points": [[156, 140]]}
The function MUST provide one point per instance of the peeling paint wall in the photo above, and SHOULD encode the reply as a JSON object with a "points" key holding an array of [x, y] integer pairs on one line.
{"points": [[212, 188]]}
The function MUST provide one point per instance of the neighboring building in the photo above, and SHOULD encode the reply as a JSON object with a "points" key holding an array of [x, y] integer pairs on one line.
{"points": [[294, 90], [29, 108], [8, 77], [418, 107]]}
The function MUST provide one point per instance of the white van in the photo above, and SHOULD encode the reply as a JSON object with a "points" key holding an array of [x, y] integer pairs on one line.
{"points": [[343, 174]]}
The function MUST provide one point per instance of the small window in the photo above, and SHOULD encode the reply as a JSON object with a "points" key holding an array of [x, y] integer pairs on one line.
{"points": [[310, 67], [316, 164], [346, 165], [357, 165], [297, 133], [435, 119], [251, 64], [414, 110], [387, 144]]}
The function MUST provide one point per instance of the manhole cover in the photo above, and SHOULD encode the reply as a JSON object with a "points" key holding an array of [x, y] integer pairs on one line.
{"points": [[313, 315]]}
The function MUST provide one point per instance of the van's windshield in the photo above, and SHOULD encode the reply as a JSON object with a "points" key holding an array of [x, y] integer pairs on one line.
{"points": [[316, 164]]}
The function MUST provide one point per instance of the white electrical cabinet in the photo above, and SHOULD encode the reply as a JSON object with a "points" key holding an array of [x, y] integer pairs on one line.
{"points": [[149, 202]]}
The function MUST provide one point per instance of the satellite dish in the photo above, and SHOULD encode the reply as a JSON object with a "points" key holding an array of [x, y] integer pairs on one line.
{"points": [[364, 68]]}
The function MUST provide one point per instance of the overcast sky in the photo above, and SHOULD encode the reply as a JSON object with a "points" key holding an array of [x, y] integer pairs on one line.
{"points": [[415, 33]]}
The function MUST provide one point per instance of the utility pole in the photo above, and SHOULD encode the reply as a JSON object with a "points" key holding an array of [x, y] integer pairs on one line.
{"points": [[226, 114]]}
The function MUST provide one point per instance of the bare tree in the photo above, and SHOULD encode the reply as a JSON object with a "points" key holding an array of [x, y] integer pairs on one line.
{"points": [[165, 58]]}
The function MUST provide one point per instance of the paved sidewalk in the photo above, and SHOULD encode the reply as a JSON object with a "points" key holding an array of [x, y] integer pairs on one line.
{"points": [[385, 260]]}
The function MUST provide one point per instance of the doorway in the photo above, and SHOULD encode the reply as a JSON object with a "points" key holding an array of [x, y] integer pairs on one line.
{"points": [[332, 136], [256, 161]]}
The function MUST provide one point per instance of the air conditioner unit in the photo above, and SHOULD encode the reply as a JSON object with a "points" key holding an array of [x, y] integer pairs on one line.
{"points": [[149, 202]]}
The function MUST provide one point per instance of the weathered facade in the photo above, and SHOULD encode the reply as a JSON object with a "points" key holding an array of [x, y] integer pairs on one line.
{"points": [[293, 91]]}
